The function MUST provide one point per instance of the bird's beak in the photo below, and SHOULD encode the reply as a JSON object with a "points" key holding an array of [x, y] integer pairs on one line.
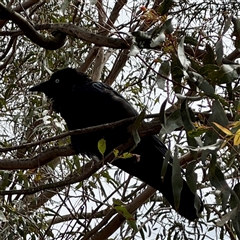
{"points": [[37, 88]]}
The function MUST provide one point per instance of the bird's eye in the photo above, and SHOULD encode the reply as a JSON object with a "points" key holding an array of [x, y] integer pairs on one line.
{"points": [[57, 80]]}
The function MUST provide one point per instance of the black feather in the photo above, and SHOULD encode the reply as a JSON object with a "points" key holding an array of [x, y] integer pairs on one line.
{"points": [[84, 103]]}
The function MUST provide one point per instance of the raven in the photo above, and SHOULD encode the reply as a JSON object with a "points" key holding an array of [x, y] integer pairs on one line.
{"points": [[84, 103]]}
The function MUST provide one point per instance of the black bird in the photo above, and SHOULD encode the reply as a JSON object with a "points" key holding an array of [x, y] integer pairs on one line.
{"points": [[84, 103]]}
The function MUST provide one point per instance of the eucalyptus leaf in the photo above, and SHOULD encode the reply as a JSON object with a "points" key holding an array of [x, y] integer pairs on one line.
{"points": [[202, 84], [181, 55], [173, 122], [163, 73], [218, 114], [217, 179], [230, 215], [219, 51], [227, 24], [165, 6], [162, 113], [2, 217], [177, 181], [165, 164], [191, 176]]}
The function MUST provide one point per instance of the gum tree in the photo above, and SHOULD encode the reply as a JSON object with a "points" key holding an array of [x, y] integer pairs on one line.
{"points": [[178, 60]]}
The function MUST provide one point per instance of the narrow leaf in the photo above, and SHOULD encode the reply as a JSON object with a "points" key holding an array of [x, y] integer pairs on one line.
{"points": [[165, 164], [219, 51], [126, 155], [191, 176], [217, 179], [2, 217], [218, 114], [120, 208], [181, 55], [136, 137], [165, 6], [162, 113], [227, 24], [227, 217], [163, 73], [177, 181], [236, 140], [223, 129], [202, 83]]}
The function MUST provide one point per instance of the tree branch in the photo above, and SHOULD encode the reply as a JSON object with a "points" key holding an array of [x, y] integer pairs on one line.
{"points": [[45, 157], [50, 154], [20, 8], [87, 170], [37, 161], [53, 42], [119, 219], [73, 132]]}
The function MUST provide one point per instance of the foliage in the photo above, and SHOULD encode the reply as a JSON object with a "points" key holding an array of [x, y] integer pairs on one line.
{"points": [[183, 52]]}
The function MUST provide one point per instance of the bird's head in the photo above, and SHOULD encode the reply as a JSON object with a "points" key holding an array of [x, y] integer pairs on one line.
{"points": [[61, 82]]}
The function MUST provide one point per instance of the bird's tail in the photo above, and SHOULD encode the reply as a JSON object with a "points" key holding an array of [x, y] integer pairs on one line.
{"points": [[148, 167]]}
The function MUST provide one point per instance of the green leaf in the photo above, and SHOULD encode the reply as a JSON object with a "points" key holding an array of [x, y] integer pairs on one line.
{"points": [[177, 181], [2, 217], [187, 123], [209, 58], [138, 122], [213, 147], [226, 73], [236, 32], [168, 27], [227, 217], [102, 146], [208, 69], [136, 137], [236, 222], [163, 73], [203, 84], [229, 73], [177, 74], [120, 208], [227, 24], [173, 122], [186, 119], [181, 55], [165, 6], [236, 24], [165, 164], [191, 176], [142, 233], [115, 152], [191, 40], [235, 196], [162, 113], [126, 155], [136, 125], [219, 51], [197, 132], [218, 114], [160, 38], [217, 179]]}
